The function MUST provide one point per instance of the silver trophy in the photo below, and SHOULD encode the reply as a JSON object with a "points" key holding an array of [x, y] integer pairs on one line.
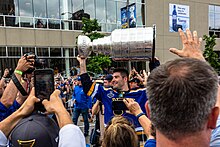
{"points": [[122, 44]]}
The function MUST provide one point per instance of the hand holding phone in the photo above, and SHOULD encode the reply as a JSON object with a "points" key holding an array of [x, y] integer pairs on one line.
{"points": [[44, 86]]}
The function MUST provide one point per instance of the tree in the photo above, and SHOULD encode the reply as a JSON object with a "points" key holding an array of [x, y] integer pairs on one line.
{"points": [[97, 62], [209, 53]]}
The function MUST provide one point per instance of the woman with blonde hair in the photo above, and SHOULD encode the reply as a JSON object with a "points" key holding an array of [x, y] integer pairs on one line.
{"points": [[120, 133]]}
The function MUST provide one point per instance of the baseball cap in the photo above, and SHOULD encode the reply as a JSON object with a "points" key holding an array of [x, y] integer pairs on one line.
{"points": [[109, 77], [36, 130], [135, 80], [79, 78]]}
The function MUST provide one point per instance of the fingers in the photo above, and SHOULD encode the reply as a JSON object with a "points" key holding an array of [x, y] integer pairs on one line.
{"points": [[176, 51], [45, 102], [189, 36], [182, 36], [32, 93], [56, 93]]}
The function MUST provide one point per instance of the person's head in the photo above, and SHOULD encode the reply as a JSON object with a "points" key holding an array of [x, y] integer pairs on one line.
{"points": [[108, 81], [182, 95], [120, 79], [134, 83], [35, 130], [120, 133], [79, 83]]}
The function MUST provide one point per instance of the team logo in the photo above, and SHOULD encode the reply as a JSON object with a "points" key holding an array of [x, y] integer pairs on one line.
{"points": [[28, 143], [110, 95]]}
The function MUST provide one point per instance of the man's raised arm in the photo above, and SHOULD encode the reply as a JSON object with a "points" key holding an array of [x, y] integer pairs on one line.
{"points": [[191, 45], [11, 90]]}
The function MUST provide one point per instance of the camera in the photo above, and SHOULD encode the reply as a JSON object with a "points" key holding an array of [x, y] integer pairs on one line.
{"points": [[38, 64], [118, 104]]}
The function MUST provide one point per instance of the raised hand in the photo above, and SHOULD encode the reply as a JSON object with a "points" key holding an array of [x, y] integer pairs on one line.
{"points": [[191, 45]]}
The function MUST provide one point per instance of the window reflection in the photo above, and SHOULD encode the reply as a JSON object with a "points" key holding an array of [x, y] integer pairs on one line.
{"points": [[42, 52], [214, 20], [89, 8], [100, 11], [77, 5], [55, 52], [14, 51], [28, 50], [111, 11], [2, 51], [25, 7], [53, 10], [40, 8]]}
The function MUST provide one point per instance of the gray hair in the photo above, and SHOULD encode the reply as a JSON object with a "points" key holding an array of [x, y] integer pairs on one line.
{"points": [[181, 96]]}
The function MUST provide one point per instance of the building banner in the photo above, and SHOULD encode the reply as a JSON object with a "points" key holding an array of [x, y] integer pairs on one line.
{"points": [[178, 17], [130, 14]]}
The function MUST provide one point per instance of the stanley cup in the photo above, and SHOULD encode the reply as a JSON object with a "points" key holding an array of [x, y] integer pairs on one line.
{"points": [[122, 44]]}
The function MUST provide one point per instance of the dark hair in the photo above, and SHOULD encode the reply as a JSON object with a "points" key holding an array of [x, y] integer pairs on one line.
{"points": [[181, 96], [122, 71], [120, 133]]}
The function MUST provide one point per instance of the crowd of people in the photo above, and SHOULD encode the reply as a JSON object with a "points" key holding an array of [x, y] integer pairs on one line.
{"points": [[175, 105]]}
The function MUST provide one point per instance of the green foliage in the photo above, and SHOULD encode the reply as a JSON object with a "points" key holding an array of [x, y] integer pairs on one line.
{"points": [[97, 62], [89, 25], [209, 53]]}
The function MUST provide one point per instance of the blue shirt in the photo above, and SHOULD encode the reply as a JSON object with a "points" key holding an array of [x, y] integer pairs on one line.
{"points": [[215, 136], [105, 95], [150, 143], [5, 112], [82, 100]]}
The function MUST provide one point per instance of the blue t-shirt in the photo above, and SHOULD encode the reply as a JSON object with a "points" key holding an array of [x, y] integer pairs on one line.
{"points": [[82, 100], [105, 95], [5, 112], [150, 143], [215, 137]]}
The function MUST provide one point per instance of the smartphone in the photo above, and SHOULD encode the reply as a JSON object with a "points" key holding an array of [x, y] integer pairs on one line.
{"points": [[44, 86], [119, 104]]}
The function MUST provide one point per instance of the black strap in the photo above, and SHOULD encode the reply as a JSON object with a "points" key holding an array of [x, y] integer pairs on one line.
{"points": [[18, 85]]}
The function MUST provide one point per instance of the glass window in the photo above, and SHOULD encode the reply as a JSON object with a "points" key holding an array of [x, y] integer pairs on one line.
{"points": [[54, 24], [55, 52], [42, 52], [214, 20], [28, 50], [70, 52], [211, 21], [111, 11], [139, 14], [2, 51], [14, 51], [100, 11], [119, 6], [66, 9], [25, 8], [40, 8], [89, 8], [217, 22], [53, 10], [40, 23], [77, 5], [26, 22]]}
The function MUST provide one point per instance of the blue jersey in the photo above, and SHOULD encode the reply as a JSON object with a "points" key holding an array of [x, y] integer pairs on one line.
{"points": [[5, 112], [82, 100], [106, 95]]}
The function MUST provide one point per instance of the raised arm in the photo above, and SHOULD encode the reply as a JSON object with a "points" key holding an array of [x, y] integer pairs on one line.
{"points": [[11, 90], [191, 45], [9, 123], [69, 132], [135, 109]]}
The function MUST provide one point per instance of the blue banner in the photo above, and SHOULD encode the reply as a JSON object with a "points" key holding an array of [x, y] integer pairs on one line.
{"points": [[130, 14]]}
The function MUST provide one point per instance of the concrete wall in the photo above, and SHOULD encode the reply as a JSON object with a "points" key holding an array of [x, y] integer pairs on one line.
{"points": [[158, 13], [37, 37]]}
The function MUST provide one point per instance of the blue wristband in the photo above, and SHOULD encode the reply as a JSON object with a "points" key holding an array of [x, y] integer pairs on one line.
{"points": [[139, 115]]}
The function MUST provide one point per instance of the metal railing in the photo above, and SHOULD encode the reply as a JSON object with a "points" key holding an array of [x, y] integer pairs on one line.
{"points": [[49, 23]]}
